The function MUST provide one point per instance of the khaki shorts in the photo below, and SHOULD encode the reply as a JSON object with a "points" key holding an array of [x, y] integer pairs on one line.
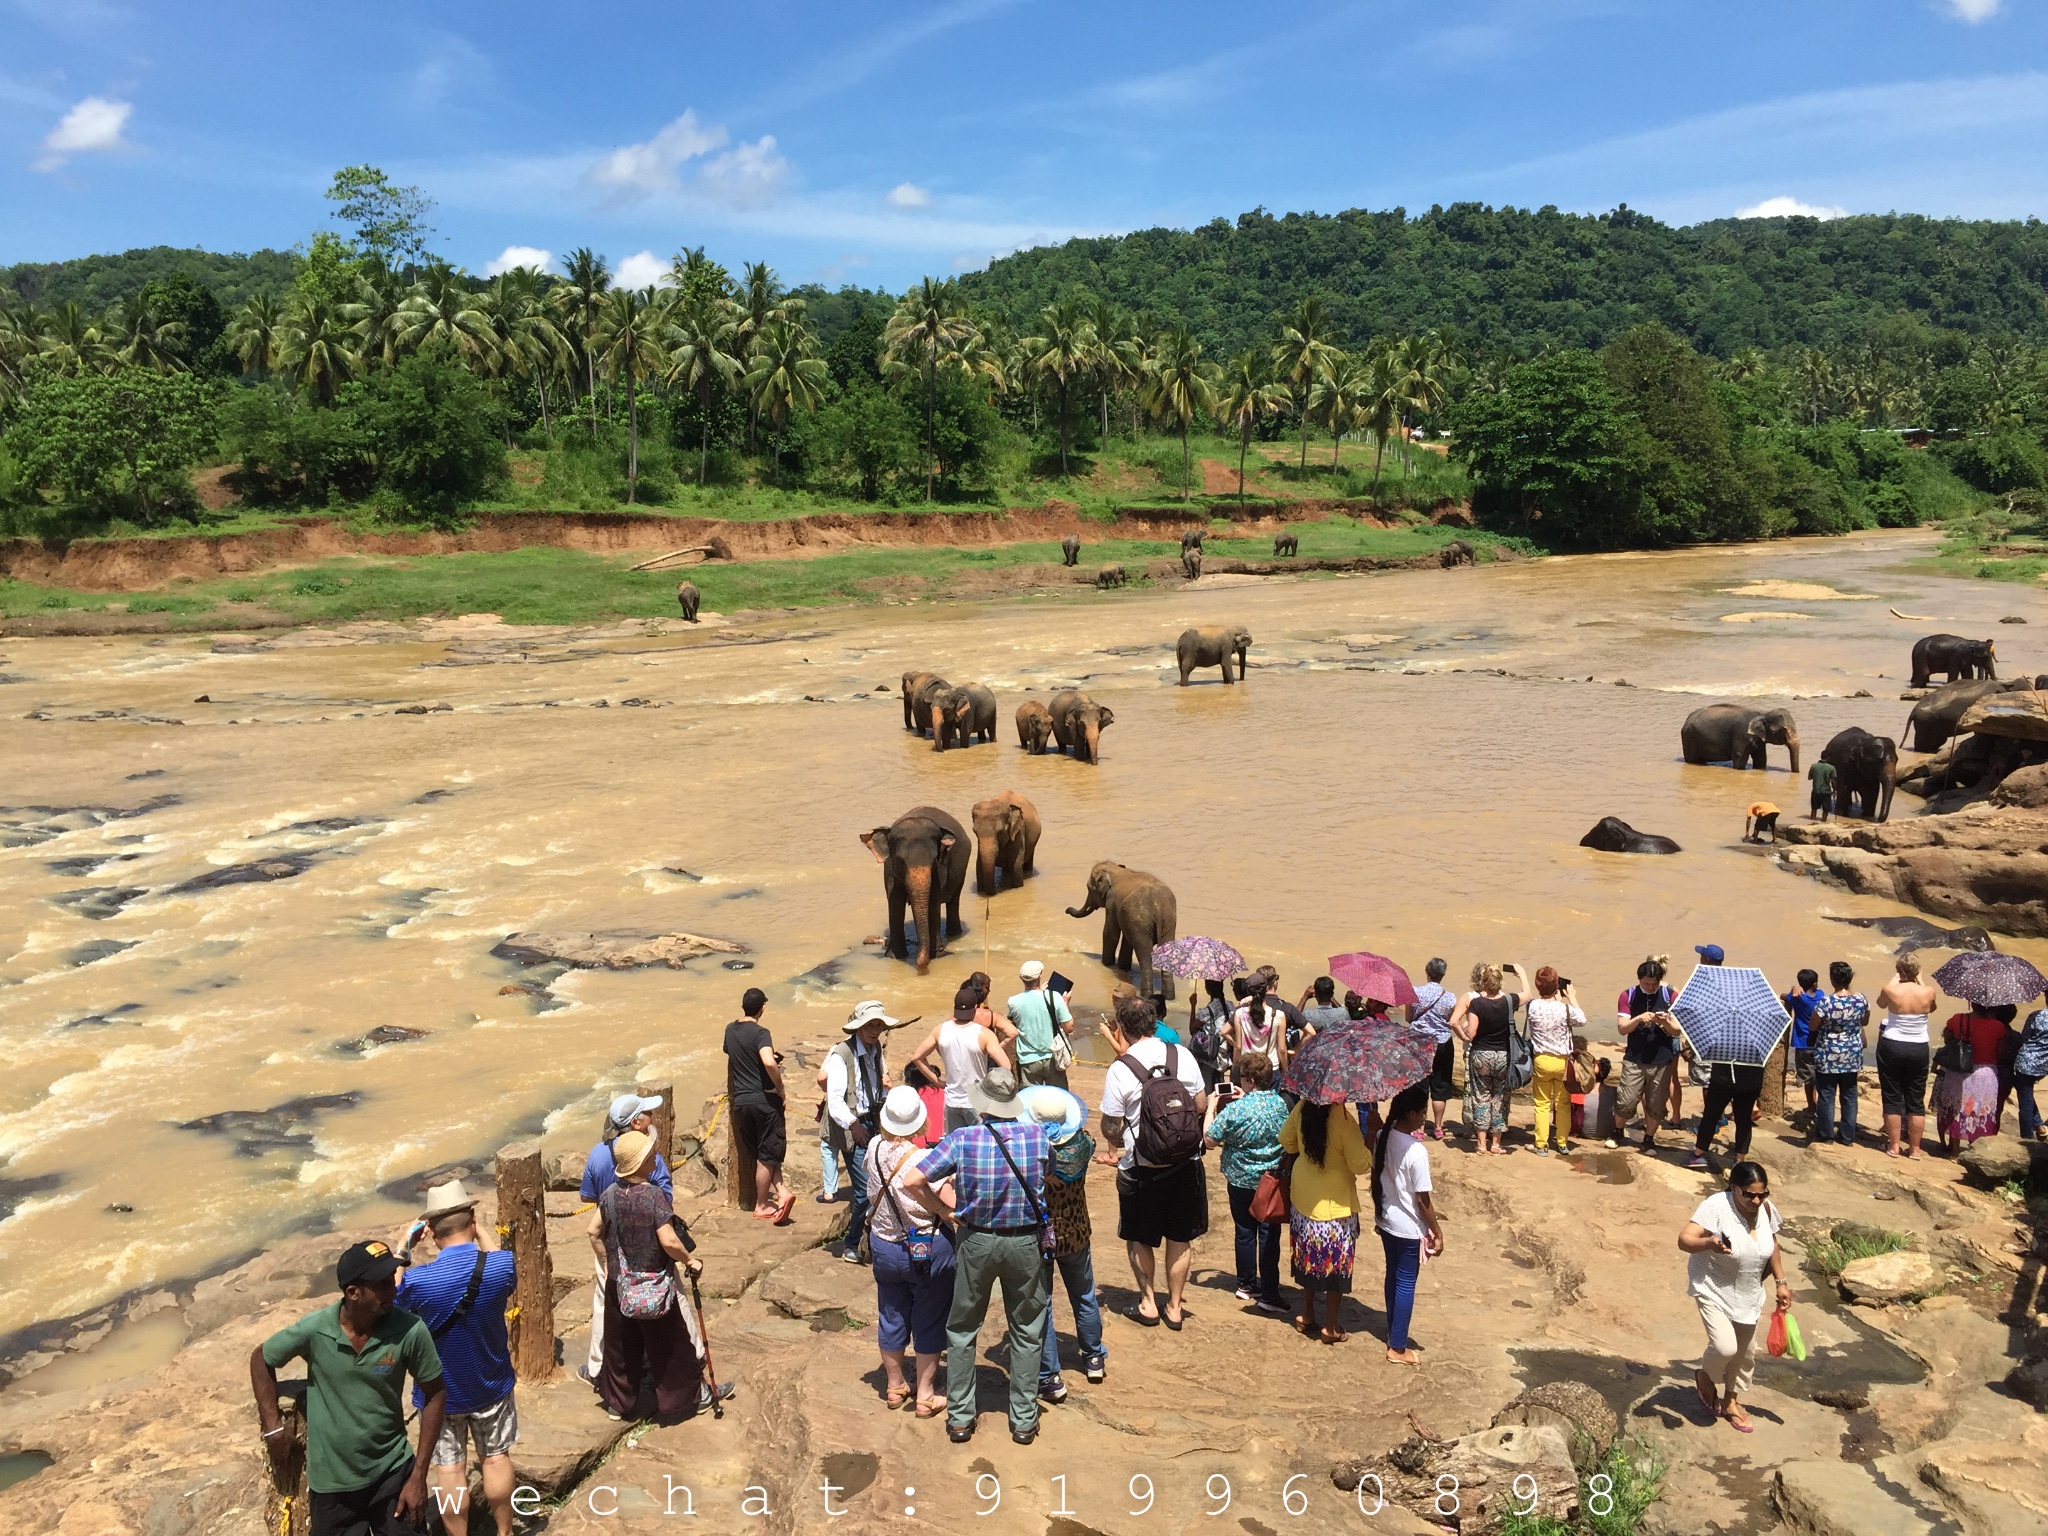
{"points": [[1639, 1081], [495, 1429]]}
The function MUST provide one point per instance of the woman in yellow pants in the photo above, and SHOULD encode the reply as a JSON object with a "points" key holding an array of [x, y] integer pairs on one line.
{"points": [[1552, 1015]]}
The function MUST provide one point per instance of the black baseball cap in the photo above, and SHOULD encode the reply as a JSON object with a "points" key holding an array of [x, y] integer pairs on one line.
{"points": [[365, 1264]]}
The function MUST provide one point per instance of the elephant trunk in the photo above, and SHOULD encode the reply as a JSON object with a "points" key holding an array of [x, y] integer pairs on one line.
{"points": [[1092, 735], [1094, 904], [985, 863], [1792, 742], [918, 879]]}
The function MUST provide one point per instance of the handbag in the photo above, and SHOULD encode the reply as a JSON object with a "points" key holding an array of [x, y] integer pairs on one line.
{"points": [[1062, 1047], [1270, 1200], [918, 1244], [643, 1293], [1957, 1056], [1048, 1240], [1521, 1058]]}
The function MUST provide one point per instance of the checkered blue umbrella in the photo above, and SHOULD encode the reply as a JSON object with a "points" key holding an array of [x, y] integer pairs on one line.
{"points": [[1731, 1013]]}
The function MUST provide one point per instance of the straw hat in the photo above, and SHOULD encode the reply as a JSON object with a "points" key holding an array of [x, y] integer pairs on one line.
{"points": [[447, 1199], [996, 1095], [631, 1153], [903, 1111], [1056, 1109]]}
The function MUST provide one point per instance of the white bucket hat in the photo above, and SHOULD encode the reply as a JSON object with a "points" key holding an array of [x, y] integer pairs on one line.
{"points": [[903, 1111], [869, 1012]]}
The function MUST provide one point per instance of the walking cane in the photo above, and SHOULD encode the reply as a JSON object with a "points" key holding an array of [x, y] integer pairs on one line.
{"points": [[704, 1327]]}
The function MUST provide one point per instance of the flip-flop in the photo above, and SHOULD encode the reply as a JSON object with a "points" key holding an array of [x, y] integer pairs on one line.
{"points": [[1703, 1384], [1742, 1425], [782, 1211], [1140, 1318], [1171, 1324]]}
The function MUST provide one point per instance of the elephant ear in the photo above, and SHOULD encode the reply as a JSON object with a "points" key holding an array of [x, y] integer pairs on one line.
{"points": [[946, 840], [1103, 717], [1013, 820], [877, 843]]}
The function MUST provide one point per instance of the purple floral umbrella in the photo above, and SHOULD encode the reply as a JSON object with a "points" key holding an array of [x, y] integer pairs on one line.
{"points": [[1989, 979], [1361, 1062], [1198, 959]]}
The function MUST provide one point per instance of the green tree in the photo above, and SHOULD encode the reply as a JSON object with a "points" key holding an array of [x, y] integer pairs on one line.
{"points": [[1059, 358], [701, 358], [124, 439], [928, 327], [1179, 389], [785, 373], [1116, 361], [1246, 395], [1301, 355], [1552, 447], [1688, 467], [697, 278], [431, 431], [73, 343], [869, 435], [628, 339], [313, 348], [140, 338], [525, 340], [389, 221], [1383, 393], [23, 331], [587, 278], [1337, 397], [182, 299], [444, 311]]}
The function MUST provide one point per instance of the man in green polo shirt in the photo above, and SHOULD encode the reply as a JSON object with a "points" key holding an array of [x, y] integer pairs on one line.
{"points": [[363, 1476]]}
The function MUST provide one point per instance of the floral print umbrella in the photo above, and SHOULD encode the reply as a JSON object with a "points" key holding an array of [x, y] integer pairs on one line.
{"points": [[1989, 979], [1375, 977], [1198, 959], [1361, 1062]]}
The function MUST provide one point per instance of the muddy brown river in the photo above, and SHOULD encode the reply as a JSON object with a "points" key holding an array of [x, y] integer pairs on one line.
{"points": [[197, 1064]]}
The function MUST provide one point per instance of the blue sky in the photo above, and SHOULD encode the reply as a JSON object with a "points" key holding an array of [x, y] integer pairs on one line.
{"points": [[871, 143]]}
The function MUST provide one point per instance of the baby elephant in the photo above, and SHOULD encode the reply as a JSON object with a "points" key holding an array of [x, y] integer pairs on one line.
{"points": [[1191, 562], [1286, 544], [1034, 726], [1006, 832], [1457, 552], [959, 715], [1112, 576], [1070, 550], [1191, 538], [690, 598]]}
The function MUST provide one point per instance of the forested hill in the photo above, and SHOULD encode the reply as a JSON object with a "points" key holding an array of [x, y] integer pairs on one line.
{"points": [[97, 283], [1520, 281]]}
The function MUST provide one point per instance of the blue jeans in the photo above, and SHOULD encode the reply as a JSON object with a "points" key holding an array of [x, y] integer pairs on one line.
{"points": [[1832, 1086], [1258, 1247], [828, 1169], [1404, 1263], [911, 1308], [1078, 1271], [857, 1176], [2030, 1113]]}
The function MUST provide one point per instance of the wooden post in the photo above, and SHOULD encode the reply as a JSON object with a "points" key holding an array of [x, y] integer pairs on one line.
{"points": [[664, 1118], [739, 1167], [286, 1508], [523, 1225], [1772, 1099]]}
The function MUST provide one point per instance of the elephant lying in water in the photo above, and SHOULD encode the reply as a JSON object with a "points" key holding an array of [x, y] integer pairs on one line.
{"points": [[1138, 914], [923, 854], [1733, 733], [1611, 834], [1213, 645], [1006, 832]]}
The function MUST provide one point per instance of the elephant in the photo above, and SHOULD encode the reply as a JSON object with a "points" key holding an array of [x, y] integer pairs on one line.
{"points": [[1034, 726], [962, 714], [1112, 576], [1457, 552], [1138, 914], [1191, 538], [1070, 550], [1866, 771], [1732, 733], [912, 683], [923, 855], [1935, 716], [1006, 831], [1286, 544], [690, 598], [1611, 834], [1191, 562], [1078, 723], [917, 702], [1213, 645], [1959, 660]]}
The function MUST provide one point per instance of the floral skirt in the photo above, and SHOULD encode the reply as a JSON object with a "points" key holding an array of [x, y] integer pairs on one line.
{"points": [[1486, 1090], [1324, 1252], [1966, 1107]]}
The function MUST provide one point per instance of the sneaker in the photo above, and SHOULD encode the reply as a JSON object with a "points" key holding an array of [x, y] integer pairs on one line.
{"points": [[1053, 1389], [1543, 1151], [1095, 1369], [587, 1376], [1697, 1160], [1613, 1145], [1246, 1293], [704, 1394], [1273, 1308], [851, 1254]]}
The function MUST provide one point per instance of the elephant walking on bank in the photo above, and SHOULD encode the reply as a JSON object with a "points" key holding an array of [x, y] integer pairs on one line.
{"points": [[923, 854], [1070, 550], [1286, 544], [1138, 914], [689, 599], [1866, 771], [1733, 733], [1006, 833], [1213, 645], [1957, 659], [1191, 563]]}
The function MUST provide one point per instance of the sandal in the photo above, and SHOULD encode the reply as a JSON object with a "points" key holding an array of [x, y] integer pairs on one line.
{"points": [[930, 1407], [898, 1396], [1740, 1423], [1710, 1399], [1142, 1319], [1334, 1335]]}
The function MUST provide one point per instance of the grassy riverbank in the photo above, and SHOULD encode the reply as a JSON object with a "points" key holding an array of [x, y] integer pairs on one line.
{"points": [[559, 586], [2004, 541]]}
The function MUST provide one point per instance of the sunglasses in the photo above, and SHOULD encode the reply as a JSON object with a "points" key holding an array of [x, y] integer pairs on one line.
{"points": [[1754, 1194]]}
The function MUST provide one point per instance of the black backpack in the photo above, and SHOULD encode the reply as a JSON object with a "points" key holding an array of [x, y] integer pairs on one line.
{"points": [[1169, 1119]]}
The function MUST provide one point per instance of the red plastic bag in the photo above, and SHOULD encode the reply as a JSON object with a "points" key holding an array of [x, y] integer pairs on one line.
{"points": [[1775, 1340]]}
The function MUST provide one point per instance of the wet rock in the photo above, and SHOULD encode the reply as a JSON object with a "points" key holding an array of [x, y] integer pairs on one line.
{"points": [[2024, 789], [2022, 714], [1917, 933], [283, 866], [612, 950], [333, 824], [14, 1191], [99, 949], [1485, 1465], [1886, 1278], [88, 864], [99, 901], [383, 1034], [26, 826], [2012, 618], [1582, 1414]]}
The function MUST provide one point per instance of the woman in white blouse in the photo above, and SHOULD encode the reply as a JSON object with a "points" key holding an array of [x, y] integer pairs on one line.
{"points": [[1731, 1241]]}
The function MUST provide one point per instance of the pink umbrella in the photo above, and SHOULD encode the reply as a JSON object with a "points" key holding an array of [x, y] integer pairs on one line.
{"points": [[1374, 976]]}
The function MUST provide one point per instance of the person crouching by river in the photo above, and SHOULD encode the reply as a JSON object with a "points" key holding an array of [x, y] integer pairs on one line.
{"points": [[649, 1332], [1730, 1242], [362, 1475], [1323, 1189], [1403, 1212], [912, 1252], [1483, 1021]]}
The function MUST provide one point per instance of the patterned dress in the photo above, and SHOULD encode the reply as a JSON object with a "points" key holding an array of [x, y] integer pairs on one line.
{"points": [[1834, 1032]]}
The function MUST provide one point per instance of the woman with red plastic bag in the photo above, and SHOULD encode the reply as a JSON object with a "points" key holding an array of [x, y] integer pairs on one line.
{"points": [[1730, 1242]]}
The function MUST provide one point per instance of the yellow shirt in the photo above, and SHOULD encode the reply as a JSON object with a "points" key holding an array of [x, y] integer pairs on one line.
{"points": [[1763, 808], [1328, 1191]]}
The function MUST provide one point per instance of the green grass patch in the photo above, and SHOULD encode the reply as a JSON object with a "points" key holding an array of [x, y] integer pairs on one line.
{"points": [[1847, 1242], [156, 603], [1614, 1496]]}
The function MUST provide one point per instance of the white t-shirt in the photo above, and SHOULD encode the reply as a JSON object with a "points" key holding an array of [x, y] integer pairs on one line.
{"points": [[1734, 1281], [1404, 1175], [1121, 1091]]}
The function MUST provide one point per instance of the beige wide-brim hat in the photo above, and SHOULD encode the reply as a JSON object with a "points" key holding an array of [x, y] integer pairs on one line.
{"points": [[447, 1199], [631, 1153], [997, 1095]]}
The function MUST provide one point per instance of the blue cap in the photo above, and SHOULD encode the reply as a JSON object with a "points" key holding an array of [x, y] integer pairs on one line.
{"points": [[1711, 953]]}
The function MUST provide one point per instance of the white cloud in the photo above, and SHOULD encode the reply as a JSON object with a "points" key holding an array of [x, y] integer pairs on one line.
{"points": [[906, 194], [94, 125], [637, 170], [643, 269], [745, 174], [1975, 11], [1788, 208], [519, 256]]}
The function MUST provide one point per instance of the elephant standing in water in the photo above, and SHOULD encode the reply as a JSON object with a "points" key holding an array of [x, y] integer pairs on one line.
{"points": [[923, 854], [1034, 726], [1006, 832], [1078, 723], [689, 599], [1213, 645], [1866, 770], [920, 689], [1732, 733], [1959, 660], [1070, 550], [959, 715], [1138, 914]]}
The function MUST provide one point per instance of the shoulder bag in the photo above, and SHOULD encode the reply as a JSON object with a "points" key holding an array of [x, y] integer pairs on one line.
{"points": [[476, 1283], [916, 1243], [1062, 1047], [1271, 1200], [1048, 1241], [1521, 1058], [1957, 1056], [643, 1293]]}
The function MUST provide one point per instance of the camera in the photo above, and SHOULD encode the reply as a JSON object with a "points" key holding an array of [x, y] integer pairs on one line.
{"points": [[1563, 982]]}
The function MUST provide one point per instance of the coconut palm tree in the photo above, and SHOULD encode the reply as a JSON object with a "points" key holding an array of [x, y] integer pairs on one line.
{"points": [[1060, 357], [1335, 399], [377, 313], [73, 343], [1116, 360], [785, 373], [1816, 383], [252, 333], [929, 326], [23, 330], [579, 298], [1746, 363], [702, 356], [313, 348], [1180, 387], [524, 335], [1380, 399], [1246, 394], [693, 275], [628, 341], [1425, 365], [443, 310], [1304, 350], [138, 338]]}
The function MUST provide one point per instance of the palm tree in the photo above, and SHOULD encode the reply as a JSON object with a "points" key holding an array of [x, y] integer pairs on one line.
{"points": [[1425, 365], [141, 340], [252, 332], [525, 338], [1247, 393], [1380, 402], [73, 344], [1117, 359], [580, 297], [702, 356], [443, 310], [1178, 388], [313, 348], [929, 324], [628, 339], [1060, 356], [1746, 363], [1336, 399], [377, 314], [785, 373], [1303, 351], [23, 331], [693, 274]]}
